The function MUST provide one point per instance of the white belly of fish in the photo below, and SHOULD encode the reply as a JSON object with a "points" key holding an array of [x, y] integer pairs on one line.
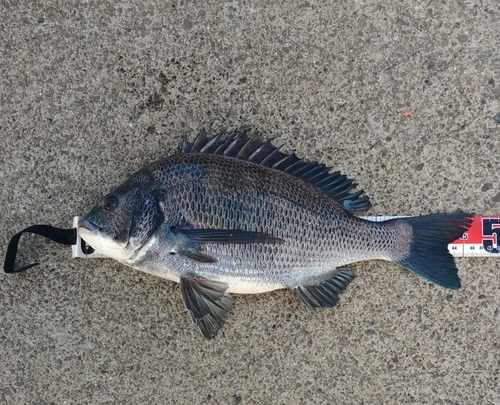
{"points": [[236, 285], [246, 287]]}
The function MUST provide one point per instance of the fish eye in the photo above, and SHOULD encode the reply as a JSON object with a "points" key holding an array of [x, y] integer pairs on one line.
{"points": [[110, 203]]}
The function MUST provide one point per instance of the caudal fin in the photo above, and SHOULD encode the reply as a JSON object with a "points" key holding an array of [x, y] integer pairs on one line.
{"points": [[428, 255]]}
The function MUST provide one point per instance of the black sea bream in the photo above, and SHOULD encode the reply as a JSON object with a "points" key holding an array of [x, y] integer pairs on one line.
{"points": [[237, 215]]}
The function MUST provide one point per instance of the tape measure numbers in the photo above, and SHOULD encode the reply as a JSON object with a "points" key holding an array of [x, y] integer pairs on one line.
{"points": [[482, 239]]}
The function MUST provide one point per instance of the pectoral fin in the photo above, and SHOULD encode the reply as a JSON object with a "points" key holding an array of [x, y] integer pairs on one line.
{"points": [[326, 293], [207, 303], [225, 236], [196, 255], [189, 241]]}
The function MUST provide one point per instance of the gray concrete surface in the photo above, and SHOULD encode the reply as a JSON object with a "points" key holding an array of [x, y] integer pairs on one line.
{"points": [[91, 91]]}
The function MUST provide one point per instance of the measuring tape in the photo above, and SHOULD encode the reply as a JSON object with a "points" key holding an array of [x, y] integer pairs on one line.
{"points": [[482, 239]]}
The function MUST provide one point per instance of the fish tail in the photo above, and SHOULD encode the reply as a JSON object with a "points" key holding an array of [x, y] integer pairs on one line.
{"points": [[428, 254]]}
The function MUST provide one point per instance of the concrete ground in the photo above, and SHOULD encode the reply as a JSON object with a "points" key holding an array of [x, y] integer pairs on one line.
{"points": [[399, 95]]}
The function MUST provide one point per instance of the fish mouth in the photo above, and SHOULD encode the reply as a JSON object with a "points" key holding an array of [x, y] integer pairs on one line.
{"points": [[96, 237], [88, 226], [85, 227], [87, 230]]}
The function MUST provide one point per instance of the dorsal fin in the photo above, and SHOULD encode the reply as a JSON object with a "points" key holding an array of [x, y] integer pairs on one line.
{"points": [[247, 146]]}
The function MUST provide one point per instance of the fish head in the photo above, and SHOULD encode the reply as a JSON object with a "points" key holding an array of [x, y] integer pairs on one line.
{"points": [[124, 219]]}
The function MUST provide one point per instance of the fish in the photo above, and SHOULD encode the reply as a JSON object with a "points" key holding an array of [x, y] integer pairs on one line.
{"points": [[236, 215]]}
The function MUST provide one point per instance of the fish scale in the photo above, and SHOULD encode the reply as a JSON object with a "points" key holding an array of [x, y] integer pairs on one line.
{"points": [[238, 215], [314, 239]]}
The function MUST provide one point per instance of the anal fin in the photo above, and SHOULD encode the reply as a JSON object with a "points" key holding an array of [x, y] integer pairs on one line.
{"points": [[208, 304], [326, 293]]}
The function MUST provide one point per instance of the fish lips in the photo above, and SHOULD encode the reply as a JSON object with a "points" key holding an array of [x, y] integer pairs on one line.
{"points": [[87, 225], [95, 236]]}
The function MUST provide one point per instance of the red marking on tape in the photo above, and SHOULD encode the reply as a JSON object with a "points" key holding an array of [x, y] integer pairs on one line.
{"points": [[485, 231]]}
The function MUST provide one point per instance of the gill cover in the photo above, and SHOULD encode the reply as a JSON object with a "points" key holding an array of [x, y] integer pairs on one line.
{"points": [[124, 219]]}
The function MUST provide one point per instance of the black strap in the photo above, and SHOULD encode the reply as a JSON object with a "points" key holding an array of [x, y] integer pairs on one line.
{"points": [[62, 236]]}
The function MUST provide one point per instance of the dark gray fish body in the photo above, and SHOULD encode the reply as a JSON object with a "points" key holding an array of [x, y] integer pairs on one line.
{"points": [[240, 216], [316, 234]]}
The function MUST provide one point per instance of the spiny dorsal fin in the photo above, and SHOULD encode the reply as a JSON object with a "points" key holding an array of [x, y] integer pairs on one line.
{"points": [[247, 146]]}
